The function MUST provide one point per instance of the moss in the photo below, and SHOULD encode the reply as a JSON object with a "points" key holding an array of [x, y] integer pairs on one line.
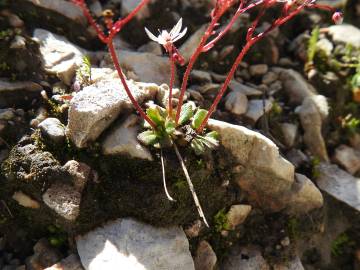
{"points": [[220, 221]]}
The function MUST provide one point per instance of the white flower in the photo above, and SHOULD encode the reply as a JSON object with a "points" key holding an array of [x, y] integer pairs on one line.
{"points": [[166, 38]]}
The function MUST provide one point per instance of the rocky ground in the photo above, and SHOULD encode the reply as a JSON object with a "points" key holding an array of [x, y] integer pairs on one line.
{"points": [[79, 191]]}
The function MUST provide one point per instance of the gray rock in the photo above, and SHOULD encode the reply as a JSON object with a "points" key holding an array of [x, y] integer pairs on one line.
{"points": [[134, 246], [200, 76], [297, 157], [80, 173], [44, 256], [257, 108], [14, 94], [144, 67], [244, 89], [237, 215], [65, 8], [60, 56], [129, 5], [294, 264], [236, 103], [340, 185], [295, 86], [122, 140], [270, 77], [94, 108], [64, 200], [289, 132], [312, 113], [190, 45], [151, 47], [258, 167], [325, 45], [347, 157], [345, 34], [7, 114], [245, 258], [205, 257], [53, 129], [258, 70], [305, 196], [72, 262]]}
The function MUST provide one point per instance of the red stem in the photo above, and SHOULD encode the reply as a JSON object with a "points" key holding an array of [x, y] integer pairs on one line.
{"points": [[192, 61], [126, 87], [248, 45]]}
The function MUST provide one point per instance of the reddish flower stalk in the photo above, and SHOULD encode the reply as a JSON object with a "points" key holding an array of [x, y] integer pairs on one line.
{"points": [[172, 79], [114, 28], [251, 40], [221, 7]]}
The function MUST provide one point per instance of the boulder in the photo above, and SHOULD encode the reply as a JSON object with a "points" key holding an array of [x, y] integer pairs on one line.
{"points": [[94, 108], [134, 246], [339, 184]]}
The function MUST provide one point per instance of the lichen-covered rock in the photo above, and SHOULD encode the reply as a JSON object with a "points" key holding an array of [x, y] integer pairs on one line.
{"points": [[134, 246], [122, 140], [94, 108]]}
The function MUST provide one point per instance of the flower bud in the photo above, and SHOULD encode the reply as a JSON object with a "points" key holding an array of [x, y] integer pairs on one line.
{"points": [[338, 17]]}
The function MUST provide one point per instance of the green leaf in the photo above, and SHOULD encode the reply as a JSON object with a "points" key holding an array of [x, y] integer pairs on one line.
{"points": [[212, 134], [209, 142], [148, 137], [186, 113], [155, 115], [169, 126], [197, 146], [198, 118]]}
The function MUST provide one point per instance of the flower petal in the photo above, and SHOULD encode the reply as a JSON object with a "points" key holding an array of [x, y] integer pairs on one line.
{"points": [[176, 29], [180, 35], [151, 35]]}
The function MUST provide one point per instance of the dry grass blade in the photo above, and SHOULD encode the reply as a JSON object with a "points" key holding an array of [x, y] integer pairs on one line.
{"points": [[164, 178], [191, 186]]}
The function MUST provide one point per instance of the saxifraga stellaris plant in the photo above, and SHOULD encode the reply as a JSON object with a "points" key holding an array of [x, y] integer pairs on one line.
{"points": [[166, 127]]}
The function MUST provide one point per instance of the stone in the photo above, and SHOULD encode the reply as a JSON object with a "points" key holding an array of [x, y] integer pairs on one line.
{"points": [[269, 78], [347, 157], [129, 5], [60, 56], [237, 215], [44, 256], [258, 70], [345, 34], [151, 47], [258, 167], [94, 108], [53, 129], [236, 103], [25, 200], [257, 108], [15, 94], [162, 96], [194, 229], [355, 141], [205, 257], [297, 157], [80, 173], [325, 45], [64, 200], [244, 89], [293, 264], [134, 246], [122, 140], [7, 114], [339, 184], [190, 45], [295, 86], [245, 258], [311, 117], [200, 76], [289, 132], [305, 196], [72, 262], [145, 67]]}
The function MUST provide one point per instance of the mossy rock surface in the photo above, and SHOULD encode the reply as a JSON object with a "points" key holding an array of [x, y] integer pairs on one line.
{"points": [[125, 187]]}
